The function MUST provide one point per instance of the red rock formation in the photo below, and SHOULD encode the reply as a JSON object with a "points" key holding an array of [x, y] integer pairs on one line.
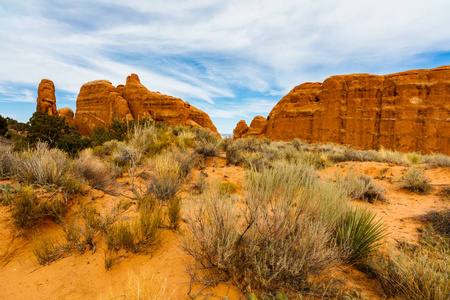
{"points": [[256, 127], [407, 111], [99, 102], [240, 130], [46, 100], [67, 113]]}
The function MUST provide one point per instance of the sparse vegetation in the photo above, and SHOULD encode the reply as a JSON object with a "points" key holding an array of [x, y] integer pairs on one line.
{"points": [[416, 182], [360, 186]]}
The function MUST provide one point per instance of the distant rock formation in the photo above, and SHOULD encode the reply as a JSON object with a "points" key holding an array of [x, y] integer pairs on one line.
{"points": [[240, 130], [407, 111], [256, 128], [99, 102], [46, 102]]}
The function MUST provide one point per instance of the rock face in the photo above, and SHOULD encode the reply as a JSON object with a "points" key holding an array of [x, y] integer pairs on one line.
{"points": [[240, 130], [67, 112], [256, 128], [99, 102], [407, 111], [46, 100]]}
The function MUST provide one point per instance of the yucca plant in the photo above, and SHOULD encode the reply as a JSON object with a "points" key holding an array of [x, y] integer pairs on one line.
{"points": [[358, 234]]}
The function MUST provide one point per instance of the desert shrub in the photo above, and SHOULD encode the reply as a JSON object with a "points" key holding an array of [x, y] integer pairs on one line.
{"points": [[73, 142], [6, 161], [25, 210], [440, 220], [3, 126], [415, 181], [96, 172], [116, 130], [136, 235], [438, 160], [207, 144], [282, 237], [414, 274], [358, 234], [185, 138], [186, 159], [46, 249], [42, 165], [166, 178], [174, 212], [414, 157], [72, 185], [317, 160], [360, 186], [47, 129], [228, 188]]}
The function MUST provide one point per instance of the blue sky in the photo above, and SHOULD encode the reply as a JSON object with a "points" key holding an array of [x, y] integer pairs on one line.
{"points": [[232, 59]]}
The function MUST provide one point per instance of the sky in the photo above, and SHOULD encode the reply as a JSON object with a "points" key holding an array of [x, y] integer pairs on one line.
{"points": [[232, 59]]}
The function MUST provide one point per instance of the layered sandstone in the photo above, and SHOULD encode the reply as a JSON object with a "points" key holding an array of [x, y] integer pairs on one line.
{"points": [[407, 111], [99, 102]]}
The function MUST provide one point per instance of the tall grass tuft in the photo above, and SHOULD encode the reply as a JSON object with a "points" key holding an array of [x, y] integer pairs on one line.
{"points": [[96, 172], [166, 178], [416, 182], [42, 165], [417, 275]]}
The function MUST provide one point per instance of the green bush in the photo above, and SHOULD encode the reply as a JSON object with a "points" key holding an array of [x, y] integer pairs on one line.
{"points": [[3, 126]]}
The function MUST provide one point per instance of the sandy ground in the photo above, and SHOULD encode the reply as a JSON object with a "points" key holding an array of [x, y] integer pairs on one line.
{"points": [[83, 276]]}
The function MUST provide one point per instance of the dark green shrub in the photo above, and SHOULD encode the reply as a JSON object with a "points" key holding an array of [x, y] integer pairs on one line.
{"points": [[3, 126]]}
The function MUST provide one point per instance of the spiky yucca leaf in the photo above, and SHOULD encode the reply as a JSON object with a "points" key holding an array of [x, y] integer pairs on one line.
{"points": [[359, 233]]}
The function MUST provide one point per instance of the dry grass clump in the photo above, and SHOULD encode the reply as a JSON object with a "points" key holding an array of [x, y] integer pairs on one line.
{"points": [[174, 212], [360, 186], [47, 249], [42, 165], [145, 286], [27, 209], [440, 220], [437, 160], [287, 234], [96, 172], [136, 235], [416, 182], [415, 274], [6, 161], [166, 177], [227, 188], [206, 143]]}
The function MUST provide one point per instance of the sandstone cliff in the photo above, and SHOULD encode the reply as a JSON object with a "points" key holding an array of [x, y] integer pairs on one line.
{"points": [[99, 102], [407, 111]]}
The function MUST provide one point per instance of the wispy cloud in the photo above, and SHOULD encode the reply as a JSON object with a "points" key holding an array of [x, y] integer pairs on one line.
{"points": [[223, 56]]}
